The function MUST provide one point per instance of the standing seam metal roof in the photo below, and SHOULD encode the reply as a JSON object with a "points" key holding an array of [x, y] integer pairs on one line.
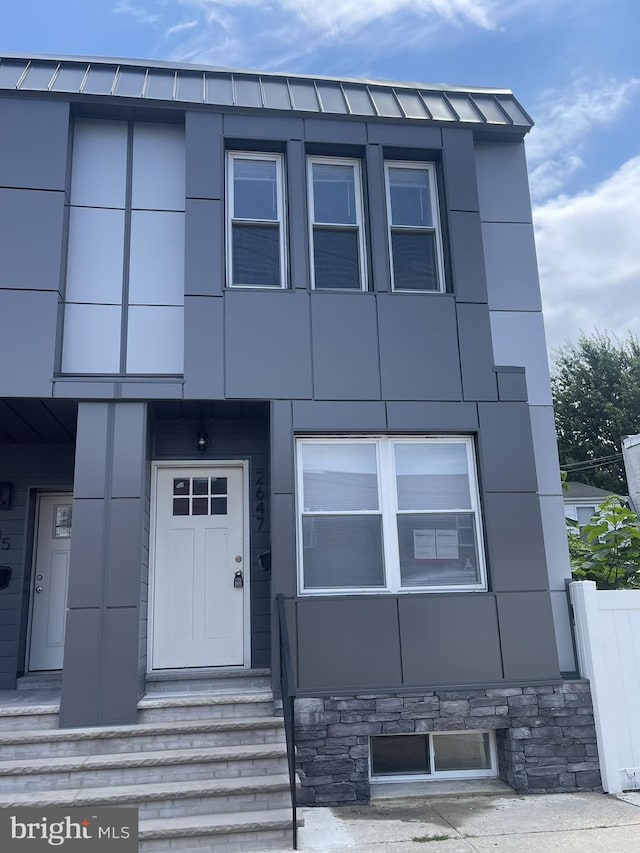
{"points": [[198, 84]]}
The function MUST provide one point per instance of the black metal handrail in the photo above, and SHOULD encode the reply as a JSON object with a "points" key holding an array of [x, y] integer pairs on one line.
{"points": [[288, 693]]}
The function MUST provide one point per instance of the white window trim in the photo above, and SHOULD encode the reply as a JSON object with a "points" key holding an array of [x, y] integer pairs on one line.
{"points": [[435, 208], [230, 219], [388, 510], [489, 773], [358, 227]]}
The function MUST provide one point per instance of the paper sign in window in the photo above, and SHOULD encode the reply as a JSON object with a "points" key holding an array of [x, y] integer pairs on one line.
{"points": [[447, 544], [435, 545], [424, 544]]}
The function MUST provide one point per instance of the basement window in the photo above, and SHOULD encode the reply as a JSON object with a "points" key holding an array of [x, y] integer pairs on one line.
{"points": [[441, 755]]}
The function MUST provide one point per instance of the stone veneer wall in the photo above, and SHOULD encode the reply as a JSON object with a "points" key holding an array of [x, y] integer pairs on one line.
{"points": [[546, 739]]}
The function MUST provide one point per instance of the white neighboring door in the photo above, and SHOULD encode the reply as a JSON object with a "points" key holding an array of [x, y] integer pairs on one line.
{"points": [[199, 572], [51, 582]]}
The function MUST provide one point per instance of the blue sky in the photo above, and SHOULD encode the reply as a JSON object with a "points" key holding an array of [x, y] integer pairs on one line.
{"points": [[574, 64]]}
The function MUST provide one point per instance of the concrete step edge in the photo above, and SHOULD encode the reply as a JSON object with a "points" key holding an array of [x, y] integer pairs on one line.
{"points": [[185, 827], [29, 710], [148, 792], [156, 758], [170, 727], [186, 700]]}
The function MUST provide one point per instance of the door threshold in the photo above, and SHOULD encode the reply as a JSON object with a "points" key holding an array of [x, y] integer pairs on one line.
{"points": [[204, 673]]}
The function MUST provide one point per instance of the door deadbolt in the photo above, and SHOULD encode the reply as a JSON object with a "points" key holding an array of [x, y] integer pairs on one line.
{"points": [[238, 580], [238, 559]]}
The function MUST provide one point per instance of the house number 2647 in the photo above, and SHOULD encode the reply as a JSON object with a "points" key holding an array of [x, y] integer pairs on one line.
{"points": [[5, 542]]}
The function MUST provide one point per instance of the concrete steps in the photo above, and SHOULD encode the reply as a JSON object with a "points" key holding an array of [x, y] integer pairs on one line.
{"points": [[206, 768]]}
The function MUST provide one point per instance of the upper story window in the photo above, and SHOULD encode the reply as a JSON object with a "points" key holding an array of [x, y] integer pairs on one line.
{"points": [[124, 300], [388, 515], [336, 235], [415, 238], [256, 255]]}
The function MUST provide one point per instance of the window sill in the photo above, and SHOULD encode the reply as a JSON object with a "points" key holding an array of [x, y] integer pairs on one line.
{"points": [[405, 789]]}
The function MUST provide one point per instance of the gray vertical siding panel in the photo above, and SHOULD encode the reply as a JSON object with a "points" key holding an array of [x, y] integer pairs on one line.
{"points": [[297, 217], [31, 239], [379, 274], [460, 169], [101, 587], [204, 155], [346, 363], [203, 348], [32, 316], [204, 248], [527, 636], [35, 139], [476, 353], [506, 448], [513, 527], [267, 346], [467, 256], [281, 442], [418, 347]]}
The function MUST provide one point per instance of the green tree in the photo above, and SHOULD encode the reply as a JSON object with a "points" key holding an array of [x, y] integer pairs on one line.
{"points": [[607, 550], [596, 394]]}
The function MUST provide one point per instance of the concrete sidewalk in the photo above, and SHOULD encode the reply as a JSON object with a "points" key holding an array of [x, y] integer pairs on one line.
{"points": [[500, 823]]}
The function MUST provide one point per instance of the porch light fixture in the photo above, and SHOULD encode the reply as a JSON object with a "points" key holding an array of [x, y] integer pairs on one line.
{"points": [[202, 440]]}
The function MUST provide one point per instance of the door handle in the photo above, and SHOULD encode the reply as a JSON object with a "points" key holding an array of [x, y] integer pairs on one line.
{"points": [[238, 580], [38, 589]]}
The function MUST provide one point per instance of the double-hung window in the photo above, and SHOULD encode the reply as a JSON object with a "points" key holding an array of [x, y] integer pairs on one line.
{"points": [[415, 239], [388, 514], [256, 253], [336, 236]]}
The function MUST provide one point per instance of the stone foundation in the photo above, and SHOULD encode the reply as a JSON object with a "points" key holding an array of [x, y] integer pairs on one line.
{"points": [[546, 740]]}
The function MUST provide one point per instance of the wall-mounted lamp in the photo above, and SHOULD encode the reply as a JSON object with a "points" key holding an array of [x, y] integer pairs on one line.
{"points": [[202, 439]]}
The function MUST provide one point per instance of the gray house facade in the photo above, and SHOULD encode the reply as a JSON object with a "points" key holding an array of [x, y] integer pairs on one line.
{"points": [[267, 335]]}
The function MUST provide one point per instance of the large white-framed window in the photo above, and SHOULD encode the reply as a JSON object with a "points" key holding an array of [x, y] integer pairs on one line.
{"points": [[336, 230], [256, 239], [388, 514], [415, 235], [124, 295]]}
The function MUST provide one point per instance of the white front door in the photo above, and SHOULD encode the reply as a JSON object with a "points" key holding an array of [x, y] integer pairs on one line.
{"points": [[199, 576], [51, 581]]}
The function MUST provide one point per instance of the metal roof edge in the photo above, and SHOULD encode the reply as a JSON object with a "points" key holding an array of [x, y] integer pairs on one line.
{"points": [[220, 69]]}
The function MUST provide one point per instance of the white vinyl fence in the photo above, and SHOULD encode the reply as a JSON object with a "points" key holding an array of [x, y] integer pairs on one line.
{"points": [[608, 641]]}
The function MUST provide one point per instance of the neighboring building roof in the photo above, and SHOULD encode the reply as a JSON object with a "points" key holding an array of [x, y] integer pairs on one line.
{"points": [[497, 109], [581, 492]]}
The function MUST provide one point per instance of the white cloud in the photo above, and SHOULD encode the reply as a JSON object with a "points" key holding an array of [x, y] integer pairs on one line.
{"points": [[272, 34], [589, 259], [181, 28], [143, 16], [565, 118]]}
